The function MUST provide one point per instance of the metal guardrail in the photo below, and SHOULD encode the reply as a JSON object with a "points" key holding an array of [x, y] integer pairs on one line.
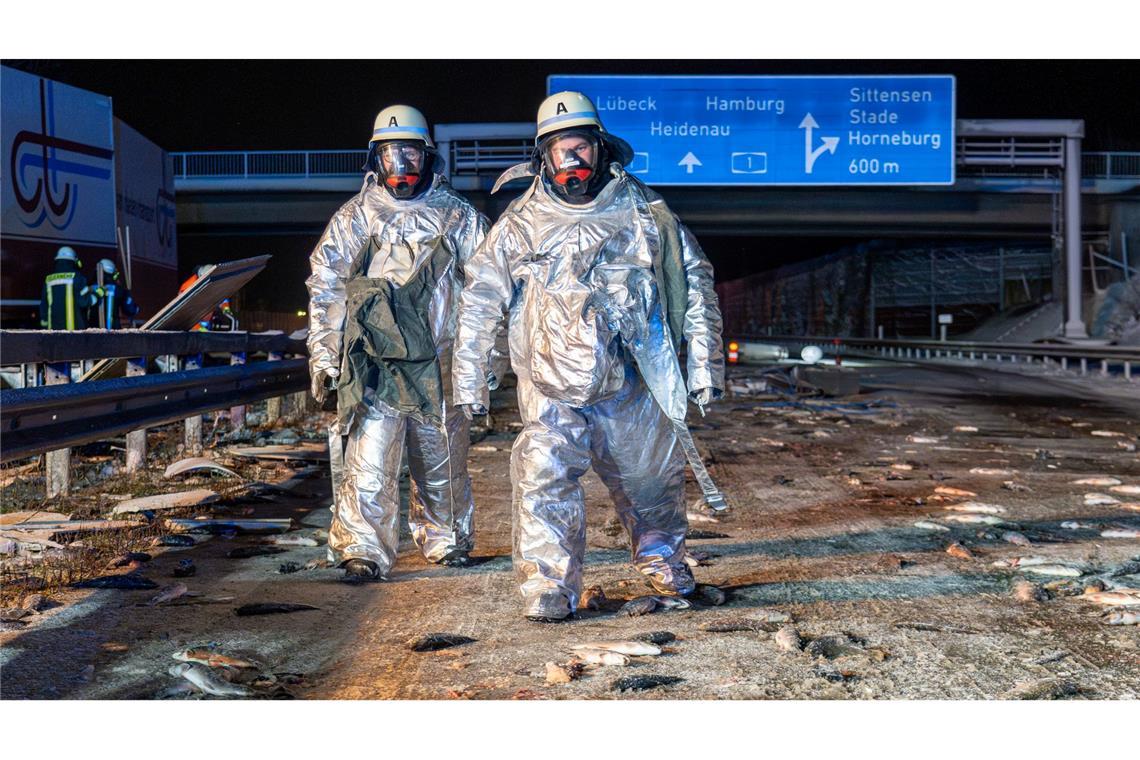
{"points": [[48, 418], [1055, 355]]}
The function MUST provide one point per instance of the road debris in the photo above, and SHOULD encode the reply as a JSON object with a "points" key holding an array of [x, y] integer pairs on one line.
{"points": [[288, 568], [168, 594], [976, 507], [1047, 689], [130, 558], [1064, 571], [184, 466], [699, 535], [935, 627], [196, 498], [271, 608], [231, 526], [1010, 485], [656, 637], [601, 657], [949, 491], [1099, 500], [834, 646], [14, 614], [1120, 533], [973, 519], [1122, 617], [1119, 597], [207, 656], [1099, 482], [992, 471], [641, 683], [174, 540], [184, 569], [1025, 591], [959, 551], [291, 540], [432, 642], [927, 525], [562, 673]]}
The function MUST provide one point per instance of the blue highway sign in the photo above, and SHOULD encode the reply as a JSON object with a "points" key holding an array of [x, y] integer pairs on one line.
{"points": [[759, 130]]}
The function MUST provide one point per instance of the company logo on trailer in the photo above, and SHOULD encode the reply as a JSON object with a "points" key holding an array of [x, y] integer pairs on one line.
{"points": [[42, 163]]}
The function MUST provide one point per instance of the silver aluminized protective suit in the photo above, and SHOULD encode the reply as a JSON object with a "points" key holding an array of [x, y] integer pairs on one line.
{"points": [[366, 507], [599, 380]]}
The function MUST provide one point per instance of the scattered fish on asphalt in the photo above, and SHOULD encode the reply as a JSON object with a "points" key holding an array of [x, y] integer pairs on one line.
{"points": [[1099, 482], [656, 637], [1048, 689], [562, 673], [735, 625], [642, 605], [1122, 617], [12, 625], [923, 439], [788, 639], [432, 642], [1015, 538], [1009, 485], [709, 594], [1025, 591], [965, 429], [207, 656], [271, 608], [1074, 525], [318, 564], [992, 471], [927, 525], [593, 598], [1120, 533], [130, 582], [1100, 500], [631, 648], [699, 535], [1130, 490], [168, 594], [601, 657], [174, 539], [288, 540], [204, 679], [1106, 434], [193, 599], [185, 569], [948, 491], [641, 683], [289, 568], [697, 517], [1121, 597], [958, 550], [1130, 505], [976, 507], [245, 552], [14, 614], [125, 559], [936, 627], [975, 519], [833, 647], [672, 603], [1062, 571]]}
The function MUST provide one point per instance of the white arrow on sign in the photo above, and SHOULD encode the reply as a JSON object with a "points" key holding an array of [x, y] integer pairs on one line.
{"points": [[829, 143], [689, 161]]}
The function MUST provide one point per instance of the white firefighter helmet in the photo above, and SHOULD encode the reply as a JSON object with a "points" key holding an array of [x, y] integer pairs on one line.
{"points": [[566, 109], [401, 123], [66, 253], [107, 266]]}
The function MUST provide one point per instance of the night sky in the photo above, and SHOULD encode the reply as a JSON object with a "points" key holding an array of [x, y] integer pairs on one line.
{"points": [[298, 105]]}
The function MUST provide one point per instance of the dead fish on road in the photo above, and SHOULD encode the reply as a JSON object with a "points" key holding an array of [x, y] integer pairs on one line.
{"points": [[1123, 617], [697, 517], [1120, 597], [976, 507], [1130, 490], [926, 525], [1048, 689], [317, 564], [130, 582], [788, 639], [14, 614], [185, 569], [1015, 538], [593, 598], [562, 673], [1120, 533], [206, 656], [1024, 591], [601, 657], [204, 679], [975, 519], [168, 594], [948, 491], [245, 552], [1098, 482], [1057, 570], [432, 642], [656, 637], [1106, 434], [965, 429], [271, 608], [641, 683], [991, 471], [291, 541], [289, 568], [642, 605], [736, 625], [700, 535], [1099, 500], [173, 540], [1009, 485], [125, 559], [631, 648], [708, 594], [958, 550], [1074, 525]]}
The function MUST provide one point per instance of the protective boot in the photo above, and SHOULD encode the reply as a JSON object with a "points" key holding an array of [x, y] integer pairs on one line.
{"points": [[456, 558], [681, 582], [361, 571]]}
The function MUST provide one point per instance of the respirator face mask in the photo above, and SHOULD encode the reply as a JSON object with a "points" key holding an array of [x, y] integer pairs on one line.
{"points": [[571, 160], [400, 164]]}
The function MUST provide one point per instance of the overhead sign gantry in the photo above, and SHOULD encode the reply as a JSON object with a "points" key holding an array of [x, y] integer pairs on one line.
{"points": [[772, 130]]}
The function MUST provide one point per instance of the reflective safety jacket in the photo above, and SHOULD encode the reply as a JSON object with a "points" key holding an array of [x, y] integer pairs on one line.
{"points": [[65, 299]]}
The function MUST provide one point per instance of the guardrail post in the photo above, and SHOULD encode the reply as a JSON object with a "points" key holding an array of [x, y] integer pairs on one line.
{"points": [[1104, 367], [58, 462], [1084, 366], [192, 440], [237, 413], [273, 405], [1065, 363], [1128, 371], [136, 439]]}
